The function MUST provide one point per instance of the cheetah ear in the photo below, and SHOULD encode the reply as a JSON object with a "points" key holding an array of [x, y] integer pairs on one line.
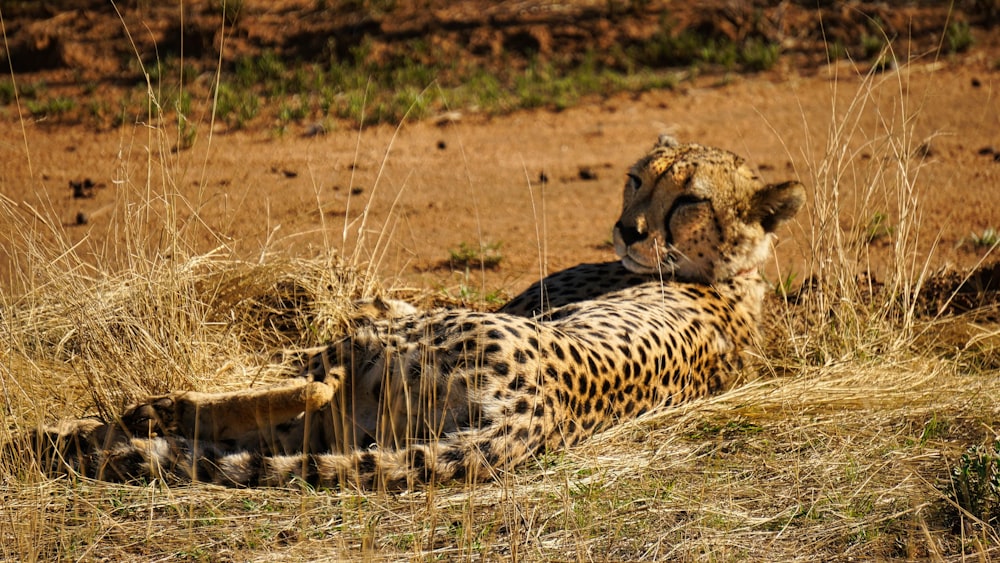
{"points": [[776, 203], [666, 141]]}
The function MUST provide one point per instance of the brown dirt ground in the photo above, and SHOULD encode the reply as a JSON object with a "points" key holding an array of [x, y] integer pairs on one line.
{"points": [[430, 186]]}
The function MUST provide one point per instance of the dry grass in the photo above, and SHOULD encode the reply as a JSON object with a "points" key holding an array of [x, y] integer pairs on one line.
{"points": [[842, 449], [846, 460]]}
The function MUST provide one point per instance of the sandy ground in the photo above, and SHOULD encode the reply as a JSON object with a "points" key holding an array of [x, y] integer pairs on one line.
{"points": [[413, 194]]}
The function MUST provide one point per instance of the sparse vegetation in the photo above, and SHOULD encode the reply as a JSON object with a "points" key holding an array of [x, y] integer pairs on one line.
{"points": [[958, 37], [783, 287], [975, 485], [853, 442], [485, 255], [989, 238], [236, 106], [52, 107], [877, 228], [7, 92], [872, 46]]}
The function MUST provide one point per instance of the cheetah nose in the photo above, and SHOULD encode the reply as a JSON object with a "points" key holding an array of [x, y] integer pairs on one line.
{"points": [[630, 235]]}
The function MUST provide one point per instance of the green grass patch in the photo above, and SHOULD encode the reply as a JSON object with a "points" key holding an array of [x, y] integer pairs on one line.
{"points": [[52, 107], [416, 80], [484, 255], [989, 238], [975, 483], [958, 37]]}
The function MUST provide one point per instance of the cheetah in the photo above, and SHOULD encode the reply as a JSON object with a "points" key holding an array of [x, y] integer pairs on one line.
{"points": [[410, 398]]}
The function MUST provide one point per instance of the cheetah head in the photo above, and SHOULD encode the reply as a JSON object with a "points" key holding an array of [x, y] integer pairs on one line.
{"points": [[699, 214]]}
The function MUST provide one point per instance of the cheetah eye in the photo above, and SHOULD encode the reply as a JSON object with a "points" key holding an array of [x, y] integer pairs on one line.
{"points": [[634, 182], [688, 200]]}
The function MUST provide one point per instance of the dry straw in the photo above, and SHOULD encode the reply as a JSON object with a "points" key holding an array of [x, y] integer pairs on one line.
{"points": [[843, 447]]}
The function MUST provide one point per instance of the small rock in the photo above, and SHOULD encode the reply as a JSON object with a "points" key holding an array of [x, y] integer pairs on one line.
{"points": [[976, 83], [925, 150], [83, 189], [587, 173], [357, 191], [442, 145], [289, 173], [81, 218], [883, 65], [543, 178], [448, 118], [986, 151], [314, 130]]}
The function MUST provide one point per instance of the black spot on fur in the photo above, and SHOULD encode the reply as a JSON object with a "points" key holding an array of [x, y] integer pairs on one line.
{"points": [[636, 369], [522, 406], [571, 426], [567, 379], [312, 471], [550, 372], [207, 466], [485, 449], [452, 455], [412, 374], [366, 463], [419, 464], [459, 348], [516, 383], [557, 349], [649, 376], [256, 466]]}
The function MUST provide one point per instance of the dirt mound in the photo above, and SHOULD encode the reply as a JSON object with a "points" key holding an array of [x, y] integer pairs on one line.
{"points": [[951, 291]]}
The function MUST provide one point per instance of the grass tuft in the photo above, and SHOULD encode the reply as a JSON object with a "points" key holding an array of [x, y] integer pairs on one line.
{"points": [[975, 484], [989, 238], [483, 255]]}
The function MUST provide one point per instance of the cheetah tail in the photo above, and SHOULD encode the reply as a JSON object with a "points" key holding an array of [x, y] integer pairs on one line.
{"points": [[175, 459]]}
